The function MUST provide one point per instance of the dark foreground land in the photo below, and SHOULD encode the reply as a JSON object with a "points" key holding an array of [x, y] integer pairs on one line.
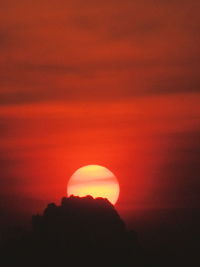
{"points": [[82, 232]]}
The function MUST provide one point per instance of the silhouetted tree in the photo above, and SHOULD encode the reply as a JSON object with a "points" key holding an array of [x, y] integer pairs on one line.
{"points": [[80, 232]]}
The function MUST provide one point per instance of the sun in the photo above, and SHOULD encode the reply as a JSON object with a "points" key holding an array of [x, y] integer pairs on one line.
{"points": [[94, 180]]}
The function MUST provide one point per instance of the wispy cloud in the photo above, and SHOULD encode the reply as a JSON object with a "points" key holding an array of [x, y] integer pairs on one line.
{"points": [[104, 81]]}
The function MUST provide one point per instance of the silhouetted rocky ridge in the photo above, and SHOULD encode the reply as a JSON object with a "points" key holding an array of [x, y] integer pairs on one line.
{"points": [[82, 232]]}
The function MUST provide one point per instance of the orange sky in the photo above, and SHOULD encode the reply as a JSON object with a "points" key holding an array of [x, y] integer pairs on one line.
{"points": [[114, 83]]}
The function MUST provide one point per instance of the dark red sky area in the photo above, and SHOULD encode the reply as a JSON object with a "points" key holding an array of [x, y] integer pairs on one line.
{"points": [[114, 83]]}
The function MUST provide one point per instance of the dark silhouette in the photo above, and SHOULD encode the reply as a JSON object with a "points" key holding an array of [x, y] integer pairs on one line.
{"points": [[80, 232]]}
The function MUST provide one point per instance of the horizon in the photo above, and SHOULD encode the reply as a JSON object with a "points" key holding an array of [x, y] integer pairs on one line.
{"points": [[107, 83]]}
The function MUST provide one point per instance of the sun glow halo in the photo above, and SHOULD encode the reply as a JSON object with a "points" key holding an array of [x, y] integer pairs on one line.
{"points": [[96, 181]]}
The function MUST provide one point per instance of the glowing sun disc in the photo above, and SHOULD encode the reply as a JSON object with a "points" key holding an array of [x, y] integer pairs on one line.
{"points": [[94, 180]]}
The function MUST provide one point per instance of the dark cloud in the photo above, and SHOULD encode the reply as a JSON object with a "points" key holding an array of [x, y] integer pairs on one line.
{"points": [[8, 167], [2, 39], [97, 50], [180, 176], [175, 85], [34, 82]]}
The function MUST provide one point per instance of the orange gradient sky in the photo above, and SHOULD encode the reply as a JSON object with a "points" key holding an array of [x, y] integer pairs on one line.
{"points": [[113, 83]]}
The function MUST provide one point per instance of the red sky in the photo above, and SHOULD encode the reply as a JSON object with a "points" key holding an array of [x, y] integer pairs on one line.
{"points": [[114, 83]]}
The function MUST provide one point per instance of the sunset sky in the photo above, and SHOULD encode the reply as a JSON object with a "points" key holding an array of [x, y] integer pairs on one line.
{"points": [[114, 83]]}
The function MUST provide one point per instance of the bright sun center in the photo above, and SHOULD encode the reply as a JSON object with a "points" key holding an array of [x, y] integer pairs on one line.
{"points": [[94, 180]]}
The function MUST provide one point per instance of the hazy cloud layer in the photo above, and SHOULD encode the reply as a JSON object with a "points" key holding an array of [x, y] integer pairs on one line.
{"points": [[62, 51], [108, 82]]}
